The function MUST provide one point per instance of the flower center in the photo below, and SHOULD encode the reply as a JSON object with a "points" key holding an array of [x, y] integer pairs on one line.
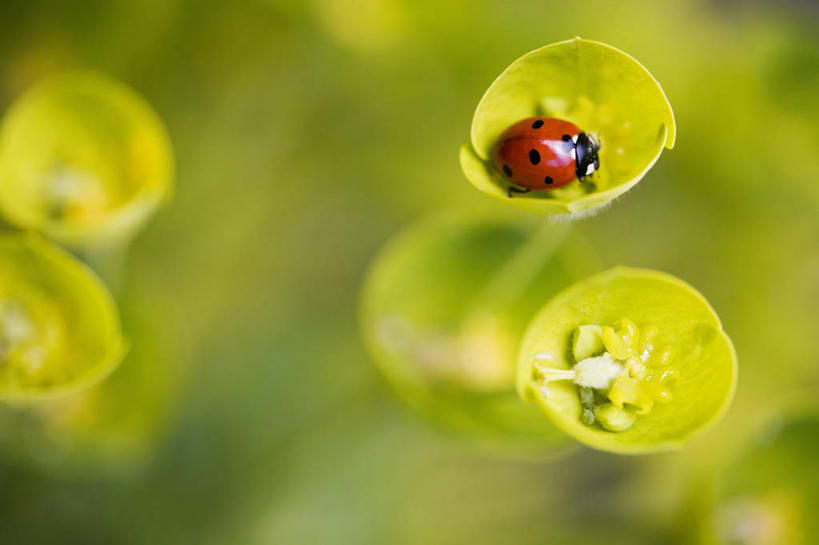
{"points": [[74, 195], [19, 345], [620, 374]]}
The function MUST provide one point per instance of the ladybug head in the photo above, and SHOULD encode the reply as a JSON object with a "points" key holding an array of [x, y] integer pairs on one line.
{"points": [[587, 160]]}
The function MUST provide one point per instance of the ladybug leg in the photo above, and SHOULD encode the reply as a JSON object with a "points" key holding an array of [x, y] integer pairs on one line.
{"points": [[588, 181], [512, 189]]}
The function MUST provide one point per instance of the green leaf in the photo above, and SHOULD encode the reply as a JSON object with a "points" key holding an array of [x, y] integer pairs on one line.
{"points": [[443, 309], [83, 160], [600, 89], [702, 354], [59, 326]]}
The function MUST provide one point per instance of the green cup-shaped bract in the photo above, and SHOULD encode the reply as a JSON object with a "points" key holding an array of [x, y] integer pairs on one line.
{"points": [[59, 326], [83, 160], [600, 89], [443, 309], [703, 357], [115, 425]]}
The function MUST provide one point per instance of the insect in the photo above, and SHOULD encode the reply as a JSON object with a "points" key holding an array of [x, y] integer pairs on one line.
{"points": [[541, 153]]}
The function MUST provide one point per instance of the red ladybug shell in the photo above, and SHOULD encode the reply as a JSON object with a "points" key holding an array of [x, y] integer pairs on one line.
{"points": [[538, 153]]}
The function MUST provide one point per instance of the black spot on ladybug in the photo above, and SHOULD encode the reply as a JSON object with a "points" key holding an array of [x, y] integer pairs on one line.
{"points": [[507, 170], [566, 138], [549, 180], [534, 156], [537, 124]]}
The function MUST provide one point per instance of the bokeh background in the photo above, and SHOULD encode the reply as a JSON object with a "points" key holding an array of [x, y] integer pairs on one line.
{"points": [[306, 134]]}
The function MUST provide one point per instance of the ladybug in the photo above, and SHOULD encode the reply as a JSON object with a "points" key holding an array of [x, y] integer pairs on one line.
{"points": [[544, 153]]}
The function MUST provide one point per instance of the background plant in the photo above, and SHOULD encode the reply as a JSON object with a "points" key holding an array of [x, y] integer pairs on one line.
{"points": [[444, 307], [307, 134], [84, 161]]}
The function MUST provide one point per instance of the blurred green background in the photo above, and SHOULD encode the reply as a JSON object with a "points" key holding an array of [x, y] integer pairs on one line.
{"points": [[306, 134]]}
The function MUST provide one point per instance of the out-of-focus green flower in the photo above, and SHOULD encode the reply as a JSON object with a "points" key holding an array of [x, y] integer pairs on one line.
{"points": [[602, 90], [667, 371], [59, 326], [115, 425], [110, 428], [84, 160], [765, 493], [444, 307]]}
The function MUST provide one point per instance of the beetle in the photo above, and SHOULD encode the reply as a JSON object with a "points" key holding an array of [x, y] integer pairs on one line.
{"points": [[544, 153]]}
